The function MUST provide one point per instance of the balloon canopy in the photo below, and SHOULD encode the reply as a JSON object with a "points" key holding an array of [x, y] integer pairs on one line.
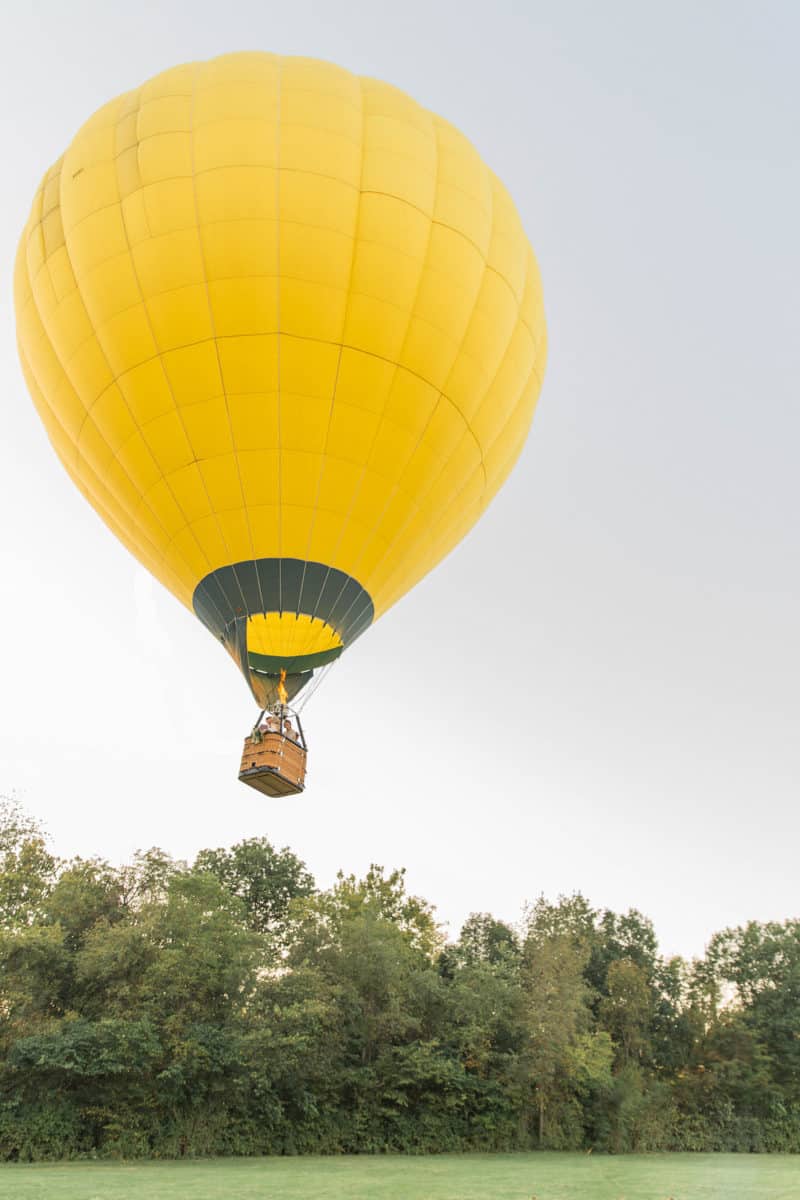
{"points": [[285, 332]]}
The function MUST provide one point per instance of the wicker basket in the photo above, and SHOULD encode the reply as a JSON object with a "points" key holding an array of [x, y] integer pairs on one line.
{"points": [[275, 765]]}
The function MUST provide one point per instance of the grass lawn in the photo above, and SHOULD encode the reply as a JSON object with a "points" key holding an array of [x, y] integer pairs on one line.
{"points": [[448, 1177]]}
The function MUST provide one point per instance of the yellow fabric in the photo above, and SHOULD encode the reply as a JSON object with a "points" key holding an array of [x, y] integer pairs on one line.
{"points": [[294, 635], [267, 308]]}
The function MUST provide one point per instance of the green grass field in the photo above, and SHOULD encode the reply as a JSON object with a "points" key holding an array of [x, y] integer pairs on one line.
{"points": [[449, 1177]]}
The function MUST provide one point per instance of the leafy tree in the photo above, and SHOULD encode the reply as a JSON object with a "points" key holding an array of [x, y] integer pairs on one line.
{"points": [[146, 880], [264, 879], [762, 962], [673, 1028], [27, 869], [86, 891], [563, 1054], [233, 1008], [627, 1010], [318, 922], [621, 936], [484, 939], [36, 973], [571, 916]]}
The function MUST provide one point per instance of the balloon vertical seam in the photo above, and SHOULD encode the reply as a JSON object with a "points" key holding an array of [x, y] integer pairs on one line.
{"points": [[159, 357], [356, 226], [89, 407], [203, 259], [396, 367]]}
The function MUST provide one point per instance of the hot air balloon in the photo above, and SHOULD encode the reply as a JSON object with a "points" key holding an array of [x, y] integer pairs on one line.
{"points": [[285, 333]]}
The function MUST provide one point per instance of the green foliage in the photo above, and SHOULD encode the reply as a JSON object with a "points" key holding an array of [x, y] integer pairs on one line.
{"points": [[230, 1007], [484, 939], [627, 1009], [562, 1053], [27, 868], [264, 879]]}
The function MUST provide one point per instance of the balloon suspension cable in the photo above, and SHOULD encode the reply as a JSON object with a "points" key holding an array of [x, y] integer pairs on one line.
{"points": [[311, 688]]}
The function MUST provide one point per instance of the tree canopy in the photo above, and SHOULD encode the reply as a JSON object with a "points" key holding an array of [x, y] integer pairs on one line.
{"points": [[232, 1006]]}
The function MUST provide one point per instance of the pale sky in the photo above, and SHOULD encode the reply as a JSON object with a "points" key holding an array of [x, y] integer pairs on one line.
{"points": [[598, 690]]}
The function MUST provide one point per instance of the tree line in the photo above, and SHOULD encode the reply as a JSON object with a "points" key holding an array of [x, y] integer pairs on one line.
{"points": [[229, 1006]]}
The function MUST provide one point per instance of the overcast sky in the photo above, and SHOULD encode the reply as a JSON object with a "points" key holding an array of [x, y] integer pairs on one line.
{"points": [[598, 690]]}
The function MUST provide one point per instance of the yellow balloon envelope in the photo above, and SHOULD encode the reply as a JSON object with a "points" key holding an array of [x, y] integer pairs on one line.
{"points": [[285, 332]]}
